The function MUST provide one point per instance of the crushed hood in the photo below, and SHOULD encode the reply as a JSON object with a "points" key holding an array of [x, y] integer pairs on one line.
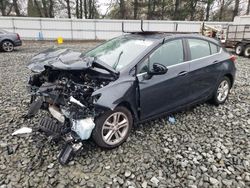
{"points": [[66, 59], [58, 58]]}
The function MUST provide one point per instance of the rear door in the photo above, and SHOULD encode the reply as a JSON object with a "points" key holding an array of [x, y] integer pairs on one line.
{"points": [[204, 60], [163, 93]]}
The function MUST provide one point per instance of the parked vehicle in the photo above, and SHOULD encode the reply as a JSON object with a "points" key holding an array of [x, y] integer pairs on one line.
{"points": [[9, 40], [125, 81], [238, 37]]}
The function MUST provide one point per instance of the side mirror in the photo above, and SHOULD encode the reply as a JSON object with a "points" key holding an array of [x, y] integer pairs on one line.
{"points": [[158, 69]]}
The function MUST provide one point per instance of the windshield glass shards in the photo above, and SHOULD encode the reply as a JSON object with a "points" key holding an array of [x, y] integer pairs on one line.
{"points": [[119, 52]]}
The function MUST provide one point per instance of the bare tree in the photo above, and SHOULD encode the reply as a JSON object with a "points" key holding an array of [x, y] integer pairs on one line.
{"points": [[45, 10], [122, 9], [85, 9], [149, 15], [222, 2], [248, 7], [38, 8], [208, 7], [236, 8], [51, 9], [77, 9], [16, 8], [163, 5], [81, 11], [135, 9], [68, 8], [192, 7], [3, 7], [176, 9]]}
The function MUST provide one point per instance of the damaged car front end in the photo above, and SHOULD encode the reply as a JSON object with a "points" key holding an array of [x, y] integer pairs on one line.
{"points": [[78, 90], [68, 96]]}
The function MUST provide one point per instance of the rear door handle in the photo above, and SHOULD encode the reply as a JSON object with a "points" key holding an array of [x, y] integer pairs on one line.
{"points": [[216, 61], [182, 73]]}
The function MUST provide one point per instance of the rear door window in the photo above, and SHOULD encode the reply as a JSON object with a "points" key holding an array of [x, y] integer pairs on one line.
{"points": [[198, 48]]}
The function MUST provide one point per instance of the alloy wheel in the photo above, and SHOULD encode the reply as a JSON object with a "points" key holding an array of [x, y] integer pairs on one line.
{"points": [[223, 90], [115, 128], [8, 46]]}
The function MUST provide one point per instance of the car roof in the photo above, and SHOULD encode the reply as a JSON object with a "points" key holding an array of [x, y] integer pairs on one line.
{"points": [[155, 35]]}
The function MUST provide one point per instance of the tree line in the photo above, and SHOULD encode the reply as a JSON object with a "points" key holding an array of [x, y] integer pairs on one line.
{"points": [[214, 10]]}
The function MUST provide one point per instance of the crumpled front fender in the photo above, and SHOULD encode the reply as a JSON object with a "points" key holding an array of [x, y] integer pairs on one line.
{"points": [[120, 91]]}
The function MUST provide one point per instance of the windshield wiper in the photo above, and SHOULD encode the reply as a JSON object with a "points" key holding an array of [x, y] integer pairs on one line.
{"points": [[118, 59]]}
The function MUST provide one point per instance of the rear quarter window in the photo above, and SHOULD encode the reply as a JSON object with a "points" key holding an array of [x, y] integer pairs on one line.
{"points": [[214, 48]]}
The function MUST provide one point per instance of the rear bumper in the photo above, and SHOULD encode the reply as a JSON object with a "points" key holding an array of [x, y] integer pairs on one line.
{"points": [[17, 43]]}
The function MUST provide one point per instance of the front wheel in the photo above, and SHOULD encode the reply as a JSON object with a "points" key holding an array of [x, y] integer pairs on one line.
{"points": [[112, 127], [7, 46], [222, 91]]}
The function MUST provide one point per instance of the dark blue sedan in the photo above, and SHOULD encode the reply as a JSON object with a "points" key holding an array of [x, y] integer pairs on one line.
{"points": [[125, 81]]}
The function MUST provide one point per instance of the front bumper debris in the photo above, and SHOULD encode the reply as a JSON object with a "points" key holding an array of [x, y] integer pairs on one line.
{"points": [[62, 132]]}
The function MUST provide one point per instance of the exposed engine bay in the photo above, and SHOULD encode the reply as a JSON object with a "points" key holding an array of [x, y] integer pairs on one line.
{"points": [[71, 91]]}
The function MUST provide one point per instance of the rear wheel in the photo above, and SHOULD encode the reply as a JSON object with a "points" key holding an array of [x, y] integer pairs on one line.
{"points": [[7, 46], [112, 128], [222, 91], [239, 49], [247, 51]]}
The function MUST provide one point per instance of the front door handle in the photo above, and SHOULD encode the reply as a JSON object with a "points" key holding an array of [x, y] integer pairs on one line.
{"points": [[182, 73]]}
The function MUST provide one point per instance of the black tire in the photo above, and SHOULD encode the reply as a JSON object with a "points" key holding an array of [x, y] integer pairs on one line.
{"points": [[7, 46], [97, 133], [239, 49], [247, 51], [215, 98]]}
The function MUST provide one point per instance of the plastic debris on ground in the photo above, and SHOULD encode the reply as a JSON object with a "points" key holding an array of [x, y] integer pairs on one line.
{"points": [[23, 130], [171, 119], [83, 127]]}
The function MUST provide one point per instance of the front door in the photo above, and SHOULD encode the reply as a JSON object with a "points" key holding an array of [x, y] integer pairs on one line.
{"points": [[164, 93]]}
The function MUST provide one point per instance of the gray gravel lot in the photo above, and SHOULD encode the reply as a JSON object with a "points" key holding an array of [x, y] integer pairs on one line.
{"points": [[208, 146]]}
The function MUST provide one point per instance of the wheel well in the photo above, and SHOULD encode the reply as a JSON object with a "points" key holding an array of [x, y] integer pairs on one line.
{"points": [[128, 106], [238, 43], [230, 78], [6, 40]]}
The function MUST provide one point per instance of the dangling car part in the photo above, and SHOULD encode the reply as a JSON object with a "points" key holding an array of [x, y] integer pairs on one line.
{"points": [[125, 81]]}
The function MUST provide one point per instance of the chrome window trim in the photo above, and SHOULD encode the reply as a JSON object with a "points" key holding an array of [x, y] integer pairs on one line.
{"points": [[141, 74], [197, 58]]}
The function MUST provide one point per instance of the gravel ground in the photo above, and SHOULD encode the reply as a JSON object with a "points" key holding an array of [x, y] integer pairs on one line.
{"points": [[208, 146]]}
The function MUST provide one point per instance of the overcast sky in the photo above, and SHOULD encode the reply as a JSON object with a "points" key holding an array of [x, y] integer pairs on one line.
{"points": [[104, 4]]}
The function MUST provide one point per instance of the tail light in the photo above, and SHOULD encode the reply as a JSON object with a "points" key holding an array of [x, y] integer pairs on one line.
{"points": [[18, 36], [233, 58]]}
